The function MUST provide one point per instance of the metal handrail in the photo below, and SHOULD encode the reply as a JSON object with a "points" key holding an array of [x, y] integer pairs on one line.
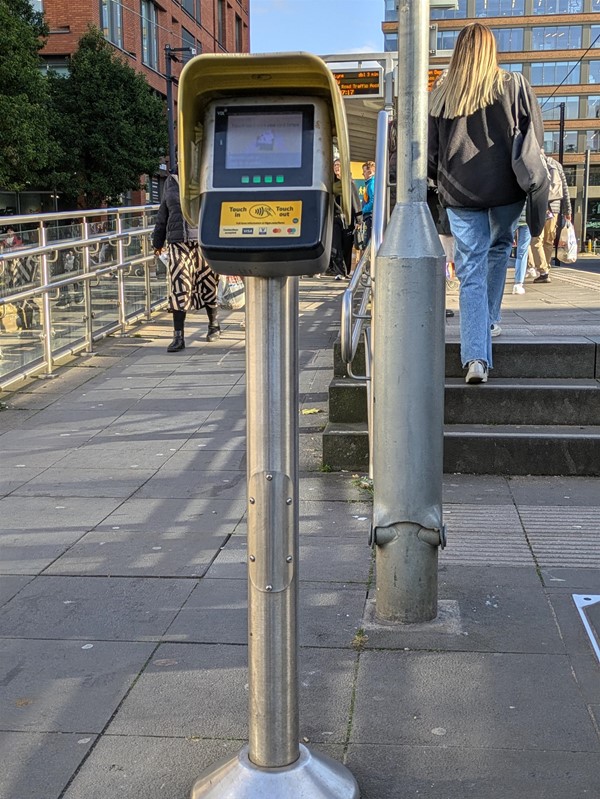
{"points": [[353, 323], [45, 289]]}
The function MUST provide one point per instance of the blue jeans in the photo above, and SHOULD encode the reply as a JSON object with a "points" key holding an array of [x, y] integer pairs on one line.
{"points": [[523, 240], [482, 243]]}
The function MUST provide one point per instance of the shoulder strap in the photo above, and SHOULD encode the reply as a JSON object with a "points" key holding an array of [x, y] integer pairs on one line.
{"points": [[520, 90]]}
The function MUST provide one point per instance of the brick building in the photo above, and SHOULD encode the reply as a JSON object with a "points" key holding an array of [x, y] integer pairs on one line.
{"points": [[139, 30]]}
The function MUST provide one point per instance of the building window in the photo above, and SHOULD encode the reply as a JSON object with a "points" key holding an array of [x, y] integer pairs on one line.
{"points": [[557, 6], [594, 67], [552, 142], [438, 13], [221, 22], [445, 40], [37, 5], [149, 35], [509, 40], [592, 140], [239, 35], [551, 107], [593, 106], [567, 37], [595, 36], [390, 43], [551, 73], [500, 8], [112, 21], [512, 67], [187, 40], [391, 11]]}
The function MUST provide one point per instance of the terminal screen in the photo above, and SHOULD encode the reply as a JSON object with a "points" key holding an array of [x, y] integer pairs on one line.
{"points": [[264, 141], [266, 148]]}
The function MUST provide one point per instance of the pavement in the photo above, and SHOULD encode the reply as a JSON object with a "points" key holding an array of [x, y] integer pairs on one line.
{"points": [[123, 589]]}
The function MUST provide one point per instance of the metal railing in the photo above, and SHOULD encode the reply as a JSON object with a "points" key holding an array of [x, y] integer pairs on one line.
{"points": [[69, 279], [356, 319]]}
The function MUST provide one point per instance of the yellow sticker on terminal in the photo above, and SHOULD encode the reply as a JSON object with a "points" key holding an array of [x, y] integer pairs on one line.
{"points": [[281, 219]]}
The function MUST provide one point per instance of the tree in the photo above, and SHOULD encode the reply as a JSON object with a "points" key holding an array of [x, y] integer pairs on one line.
{"points": [[109, 122], [24, 136]]}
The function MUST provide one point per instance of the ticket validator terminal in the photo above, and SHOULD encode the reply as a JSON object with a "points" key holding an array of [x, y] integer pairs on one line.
{"points": [[256, 139]]}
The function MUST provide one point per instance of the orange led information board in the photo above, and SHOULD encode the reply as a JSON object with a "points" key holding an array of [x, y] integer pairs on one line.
{"points": [[434, 74], [360, 82]]}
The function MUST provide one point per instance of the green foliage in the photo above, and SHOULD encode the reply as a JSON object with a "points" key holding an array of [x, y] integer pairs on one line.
{"points": [[109, 123], [24, 140]]}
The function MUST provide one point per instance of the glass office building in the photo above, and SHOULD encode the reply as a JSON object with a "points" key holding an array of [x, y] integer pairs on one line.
{"points": [[556, 45]]}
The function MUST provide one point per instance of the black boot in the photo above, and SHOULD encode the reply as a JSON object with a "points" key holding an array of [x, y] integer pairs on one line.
{"points": [[214, 329], [178, 342]]}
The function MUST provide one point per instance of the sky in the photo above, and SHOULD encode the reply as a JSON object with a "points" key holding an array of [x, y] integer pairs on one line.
{"points": [[322, 27]]}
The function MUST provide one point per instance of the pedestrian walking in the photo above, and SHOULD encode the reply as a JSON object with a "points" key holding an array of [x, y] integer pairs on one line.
{"points": [[192, 283], [559, 211], [470, 147]]}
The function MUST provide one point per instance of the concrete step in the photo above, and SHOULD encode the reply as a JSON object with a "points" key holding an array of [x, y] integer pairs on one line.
{"points": [[500, 401], [523, 401], [565, 357], [346, 446], [522, 449], [568, 450]]}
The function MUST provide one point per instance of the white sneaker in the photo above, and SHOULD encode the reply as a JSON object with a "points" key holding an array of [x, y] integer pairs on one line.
{"points": [[477, 372], [532, 272], [496, 329], [518, 289]]}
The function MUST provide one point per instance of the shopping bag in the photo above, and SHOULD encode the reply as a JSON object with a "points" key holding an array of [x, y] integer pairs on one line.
{"points": [[567, 244], [231, 293]]}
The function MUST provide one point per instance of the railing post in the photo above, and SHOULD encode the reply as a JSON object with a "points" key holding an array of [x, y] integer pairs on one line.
{"points": [[408, 376], [121, 276], [87, 288], [47, 324], [147, 267]]}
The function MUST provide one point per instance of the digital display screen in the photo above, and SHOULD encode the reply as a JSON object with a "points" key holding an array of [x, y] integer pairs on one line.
{"points": [[264, 141]]}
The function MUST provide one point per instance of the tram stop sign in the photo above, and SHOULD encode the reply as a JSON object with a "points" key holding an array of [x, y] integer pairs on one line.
{"points": [[259, 176]]}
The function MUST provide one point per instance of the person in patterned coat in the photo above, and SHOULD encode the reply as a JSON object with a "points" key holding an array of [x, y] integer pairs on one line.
{"points": [[193, 284]]}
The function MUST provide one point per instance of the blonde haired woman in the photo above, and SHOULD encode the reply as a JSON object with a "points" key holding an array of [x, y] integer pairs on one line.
{"points": [[470, 145]]}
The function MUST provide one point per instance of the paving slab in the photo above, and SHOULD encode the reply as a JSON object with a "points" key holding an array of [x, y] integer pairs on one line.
{"points": [[225, 485], [474, 700], [554, 491], [139, 553], [12, 477], [171, 766], [485, 534], [132, 609], [217, 612], [495, 611], [11, 584], [70, 482], [469, 489], [201, 690], [60, 686], [38, 765], [124, 453], [565, 539], [390, 772]]}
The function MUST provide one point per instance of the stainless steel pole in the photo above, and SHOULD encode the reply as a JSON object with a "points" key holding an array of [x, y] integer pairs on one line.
{"points": [[272, 420], [408, 379], [273, 764]]}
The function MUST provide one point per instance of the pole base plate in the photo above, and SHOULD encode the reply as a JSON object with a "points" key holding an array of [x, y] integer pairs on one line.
{"points": [[312, 776]]}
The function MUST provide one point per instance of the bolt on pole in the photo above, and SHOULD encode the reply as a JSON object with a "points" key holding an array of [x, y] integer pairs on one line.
{"points": [[408, 383]]}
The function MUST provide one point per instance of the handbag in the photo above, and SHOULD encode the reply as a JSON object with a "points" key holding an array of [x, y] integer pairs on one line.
{"points": [[529, 165], [231, 293], [567, 244]]}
